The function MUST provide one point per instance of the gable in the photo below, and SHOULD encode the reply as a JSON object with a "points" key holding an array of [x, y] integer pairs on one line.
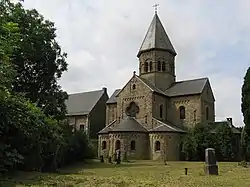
{"points": [[82, 103], [208, 92], [140, 86]]}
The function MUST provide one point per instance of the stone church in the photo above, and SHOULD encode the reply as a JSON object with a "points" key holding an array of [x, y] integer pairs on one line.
{"points": [[147, 117]]}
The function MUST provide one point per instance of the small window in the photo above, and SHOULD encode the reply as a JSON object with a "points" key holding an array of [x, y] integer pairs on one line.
{"points": [[163, 66], [150, 66], [182, 112], [133, 87], [159, 66], [146, 67], [104, 145], [157, 146], [132, 145], [161, 111], [117, 144], [207, 113], [146, 119], [195, 115], [82, 127]]}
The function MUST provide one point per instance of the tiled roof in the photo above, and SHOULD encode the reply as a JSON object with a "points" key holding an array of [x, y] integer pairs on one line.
{"points": [[82, 103], [113, 98], [164, 127]]}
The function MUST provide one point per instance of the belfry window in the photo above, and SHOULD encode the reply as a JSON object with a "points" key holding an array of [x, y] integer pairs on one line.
{"points": [[163, 68], [182, 112], [150, 66], [157, 146], [159, 66], [161, 111], [146, 67]]}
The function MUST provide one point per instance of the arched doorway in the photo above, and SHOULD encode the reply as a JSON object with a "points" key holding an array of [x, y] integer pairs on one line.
{"points": [[117, 144]]}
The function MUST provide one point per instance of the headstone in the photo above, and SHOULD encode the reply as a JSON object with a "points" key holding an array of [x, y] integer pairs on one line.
{"points": [[101, 159], [125, 157], [186, 171], [211, 167]]}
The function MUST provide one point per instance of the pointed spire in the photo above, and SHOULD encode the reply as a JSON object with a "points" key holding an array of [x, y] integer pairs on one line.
{"points": [[156, 38]]}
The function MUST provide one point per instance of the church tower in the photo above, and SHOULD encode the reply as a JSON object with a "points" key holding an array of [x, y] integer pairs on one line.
{"points": [[157, 56]]}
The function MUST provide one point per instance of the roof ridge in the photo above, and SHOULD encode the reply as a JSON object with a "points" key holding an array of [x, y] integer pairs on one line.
{"points": [[192, 79], [164, 124], [86, 92], [140, 124]]}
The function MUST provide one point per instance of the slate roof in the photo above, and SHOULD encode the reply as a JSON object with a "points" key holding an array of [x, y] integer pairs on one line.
{"points": [[156, 38], [107, 129], [166, 128], [188, 87], [82, 103], [113, 98], [129, 124]]}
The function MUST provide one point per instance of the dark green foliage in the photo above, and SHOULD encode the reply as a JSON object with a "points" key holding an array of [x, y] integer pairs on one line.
{"points": [[32, 137], [245, 108], [38, 59], [205, 136]]}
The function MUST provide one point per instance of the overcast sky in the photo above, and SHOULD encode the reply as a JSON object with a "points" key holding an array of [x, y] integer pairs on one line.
{"points": [[102, 38]]}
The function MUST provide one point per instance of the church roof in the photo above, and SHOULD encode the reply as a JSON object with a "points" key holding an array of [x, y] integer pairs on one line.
{"points": [[83, 103], [156, 38], [129, 124], [107, 129], [188, 87], [164, 127], [113, 98]]}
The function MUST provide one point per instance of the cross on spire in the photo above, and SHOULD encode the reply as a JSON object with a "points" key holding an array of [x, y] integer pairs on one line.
{"points": [[155, 7]]}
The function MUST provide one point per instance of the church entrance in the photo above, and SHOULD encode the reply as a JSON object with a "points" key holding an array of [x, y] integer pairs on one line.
{"points": [[117, 144]]}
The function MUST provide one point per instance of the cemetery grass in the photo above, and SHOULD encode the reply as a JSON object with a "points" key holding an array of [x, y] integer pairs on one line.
{"points": [[138, 173]]}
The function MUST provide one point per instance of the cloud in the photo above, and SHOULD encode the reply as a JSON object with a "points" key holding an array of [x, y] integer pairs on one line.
{"points": [[102, 39]]}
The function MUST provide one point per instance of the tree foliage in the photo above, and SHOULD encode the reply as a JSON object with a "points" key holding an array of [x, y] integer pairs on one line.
{"points": [[31, 136], [245, 108], [204, 136], [38, 59]]}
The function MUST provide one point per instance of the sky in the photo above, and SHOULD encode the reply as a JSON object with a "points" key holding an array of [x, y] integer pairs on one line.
{"points": [[102, 38]]}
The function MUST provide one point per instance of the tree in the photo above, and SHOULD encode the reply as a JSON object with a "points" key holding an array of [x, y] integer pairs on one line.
{"points": [[245, 108], [224, 138], [189, 146], [38, 59]]}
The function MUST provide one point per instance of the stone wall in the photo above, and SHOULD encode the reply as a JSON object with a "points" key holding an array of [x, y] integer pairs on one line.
{"points": [[169, 146], [141, 145], [193, 110], [141, 95], [111, 113], [104, 151], [78, 122], [158, 101]]}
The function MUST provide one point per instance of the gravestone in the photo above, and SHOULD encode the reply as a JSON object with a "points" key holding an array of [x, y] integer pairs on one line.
{"points": [[211, 167], [125, 157]]}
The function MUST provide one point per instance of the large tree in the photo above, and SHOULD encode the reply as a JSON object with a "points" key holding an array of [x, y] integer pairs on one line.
{"points": [[245, 108], [38, 59]]}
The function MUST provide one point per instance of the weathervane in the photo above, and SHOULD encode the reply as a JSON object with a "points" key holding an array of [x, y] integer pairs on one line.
{"points": [[155, 6]]}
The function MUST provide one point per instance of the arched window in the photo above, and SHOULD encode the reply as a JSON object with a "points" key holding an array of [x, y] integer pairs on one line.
{"points": [[159, 66], [133, 87], [161, 111], [117, 144], [132, 145], [182, 112], [207, 113], [82, 127], [104, 145], [157, 146], [146, 67], [163, 68], [150, 66]]}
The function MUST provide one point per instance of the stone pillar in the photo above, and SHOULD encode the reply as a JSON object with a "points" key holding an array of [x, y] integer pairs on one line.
{"points": [[211, 167]]}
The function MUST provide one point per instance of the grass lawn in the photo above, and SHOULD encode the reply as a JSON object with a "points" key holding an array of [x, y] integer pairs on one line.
{"points": [[139, 173]]}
